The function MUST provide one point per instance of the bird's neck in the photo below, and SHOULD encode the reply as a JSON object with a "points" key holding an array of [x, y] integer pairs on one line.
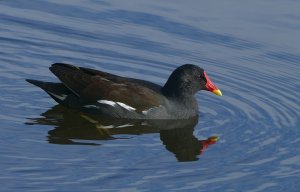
{"points": [[179, 95], [176, 90]]}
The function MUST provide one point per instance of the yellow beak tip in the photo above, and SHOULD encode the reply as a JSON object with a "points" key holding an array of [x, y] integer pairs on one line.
{"points": [[214, 138], [217, 92]]}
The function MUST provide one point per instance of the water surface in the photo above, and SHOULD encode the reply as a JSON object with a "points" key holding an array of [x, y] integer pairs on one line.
{"points": [[251, 50]]}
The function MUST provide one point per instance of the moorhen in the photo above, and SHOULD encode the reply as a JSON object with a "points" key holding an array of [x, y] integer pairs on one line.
{"points": [[121, 97]]}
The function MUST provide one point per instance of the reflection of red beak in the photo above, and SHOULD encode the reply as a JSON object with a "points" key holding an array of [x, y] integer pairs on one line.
{"points": [[210, 141], [211, 87]]}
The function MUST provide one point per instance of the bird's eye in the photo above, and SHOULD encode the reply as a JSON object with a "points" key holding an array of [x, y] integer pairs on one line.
{"points": [[198, 77]]}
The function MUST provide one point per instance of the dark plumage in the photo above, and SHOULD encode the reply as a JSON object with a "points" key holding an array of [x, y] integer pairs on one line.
{"points": [[120, 97]]}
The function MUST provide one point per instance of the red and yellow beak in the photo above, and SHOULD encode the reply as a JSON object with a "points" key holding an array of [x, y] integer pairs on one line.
{"points": [[213, 139], [211, 87]]}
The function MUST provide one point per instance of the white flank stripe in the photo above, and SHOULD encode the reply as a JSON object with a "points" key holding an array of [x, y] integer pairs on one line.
{"points": [[145, 112], [60, 97], [129, 108], [112, 103], [107, 102]]}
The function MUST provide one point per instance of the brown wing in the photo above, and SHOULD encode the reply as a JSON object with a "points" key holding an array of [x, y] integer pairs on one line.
{"points": [[92, 85]]}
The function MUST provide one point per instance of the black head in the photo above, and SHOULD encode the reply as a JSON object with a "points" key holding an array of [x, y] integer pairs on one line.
{"points": [[187, 80]]}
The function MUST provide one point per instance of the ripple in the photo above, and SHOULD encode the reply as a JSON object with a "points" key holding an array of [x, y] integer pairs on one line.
{"points": [[259, 96], [257, 119]]}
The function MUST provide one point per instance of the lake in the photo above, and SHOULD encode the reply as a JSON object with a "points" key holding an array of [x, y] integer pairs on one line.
{"points": [[251, 51]]}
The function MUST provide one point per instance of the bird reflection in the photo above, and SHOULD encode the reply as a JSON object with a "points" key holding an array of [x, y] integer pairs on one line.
{"points": [[77, 128]]}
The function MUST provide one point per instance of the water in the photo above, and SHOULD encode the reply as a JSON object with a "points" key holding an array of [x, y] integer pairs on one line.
{"points": [[251, 50]]}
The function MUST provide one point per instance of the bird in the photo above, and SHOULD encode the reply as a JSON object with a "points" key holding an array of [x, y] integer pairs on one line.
{"points": [[112, 96]]}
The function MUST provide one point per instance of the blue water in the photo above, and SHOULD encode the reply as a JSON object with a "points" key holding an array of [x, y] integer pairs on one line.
{"points": [[251, 50]]}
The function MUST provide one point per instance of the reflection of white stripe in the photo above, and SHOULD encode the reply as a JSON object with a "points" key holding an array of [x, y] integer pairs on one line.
{"points": [[60, 97], [125, 125], [90, 106], [113, 126], [112, 103], [107, 126]]}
